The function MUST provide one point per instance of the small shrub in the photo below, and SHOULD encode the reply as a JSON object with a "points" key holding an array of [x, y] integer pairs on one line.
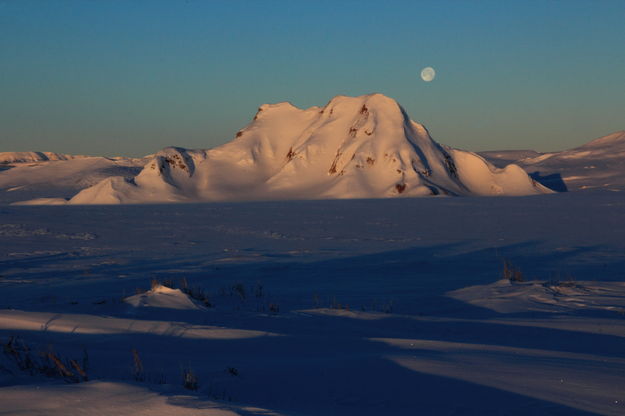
{"points": [[19, 353], [557, 281], [258, 290], [60, 366], [137, 366], [48, 364], [189, 380], [198, 294], [511, 272], [274, 308]]}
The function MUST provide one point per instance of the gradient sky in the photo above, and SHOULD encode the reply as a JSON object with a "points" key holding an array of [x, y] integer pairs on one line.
{"points": [[130, 77]]}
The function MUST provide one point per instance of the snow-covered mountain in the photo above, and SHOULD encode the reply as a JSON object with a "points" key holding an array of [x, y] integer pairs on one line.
{"points": [[599, 164], [354, 147]]}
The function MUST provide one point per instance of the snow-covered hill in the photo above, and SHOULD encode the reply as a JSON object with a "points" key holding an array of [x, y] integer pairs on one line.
{"points": [[54, 181], [599, 164], [354, 147]]}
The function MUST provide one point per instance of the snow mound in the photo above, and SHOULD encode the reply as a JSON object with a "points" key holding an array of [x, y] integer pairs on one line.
{"points": [[353, 147], [163, 297], [516, 297]]}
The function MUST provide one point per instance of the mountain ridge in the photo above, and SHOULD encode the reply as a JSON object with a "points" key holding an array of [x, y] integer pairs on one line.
{"points": [[353, 147], [34, 156]]}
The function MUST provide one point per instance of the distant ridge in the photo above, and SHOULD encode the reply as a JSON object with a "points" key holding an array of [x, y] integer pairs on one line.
{"points": [[25, 157], [598, 164]]}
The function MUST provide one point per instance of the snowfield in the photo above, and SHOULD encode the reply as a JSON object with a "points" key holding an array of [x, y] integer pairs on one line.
{"points": [[326, 307]]}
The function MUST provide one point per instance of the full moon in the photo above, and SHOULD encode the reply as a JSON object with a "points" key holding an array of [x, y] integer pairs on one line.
{"points": [[428, 74]]}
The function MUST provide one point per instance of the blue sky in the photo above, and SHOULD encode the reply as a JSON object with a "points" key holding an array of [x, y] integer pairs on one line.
{"points": [[130, 77]]}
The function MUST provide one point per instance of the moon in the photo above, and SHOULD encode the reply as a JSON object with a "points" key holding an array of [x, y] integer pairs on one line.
{"points": [[428, 74]]}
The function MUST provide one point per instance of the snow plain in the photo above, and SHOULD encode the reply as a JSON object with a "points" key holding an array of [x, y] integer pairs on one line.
{"points": [[345, 307]]}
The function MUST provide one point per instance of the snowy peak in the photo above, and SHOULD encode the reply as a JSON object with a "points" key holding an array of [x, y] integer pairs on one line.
{"points": [[347, 135], [353, 147]]}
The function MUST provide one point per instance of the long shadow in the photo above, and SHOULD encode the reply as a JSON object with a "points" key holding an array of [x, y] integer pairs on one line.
{"points": [[415, 279], [458, 327], [552, 181], [324, 364], [301, 374]]}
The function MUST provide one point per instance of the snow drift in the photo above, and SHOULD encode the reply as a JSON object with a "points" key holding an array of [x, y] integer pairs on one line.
{"points": [[504, 296], [163, 297], [354, 147]]}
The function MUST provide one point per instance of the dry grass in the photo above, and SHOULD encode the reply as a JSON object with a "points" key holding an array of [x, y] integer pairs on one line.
{"points": [[46, 363]]}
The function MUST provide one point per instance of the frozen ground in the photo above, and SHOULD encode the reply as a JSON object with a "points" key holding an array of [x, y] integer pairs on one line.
{"points": [[352, 307]]}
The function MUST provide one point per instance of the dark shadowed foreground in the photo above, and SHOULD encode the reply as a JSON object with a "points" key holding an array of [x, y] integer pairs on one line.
{"points": [[361, 307]]}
